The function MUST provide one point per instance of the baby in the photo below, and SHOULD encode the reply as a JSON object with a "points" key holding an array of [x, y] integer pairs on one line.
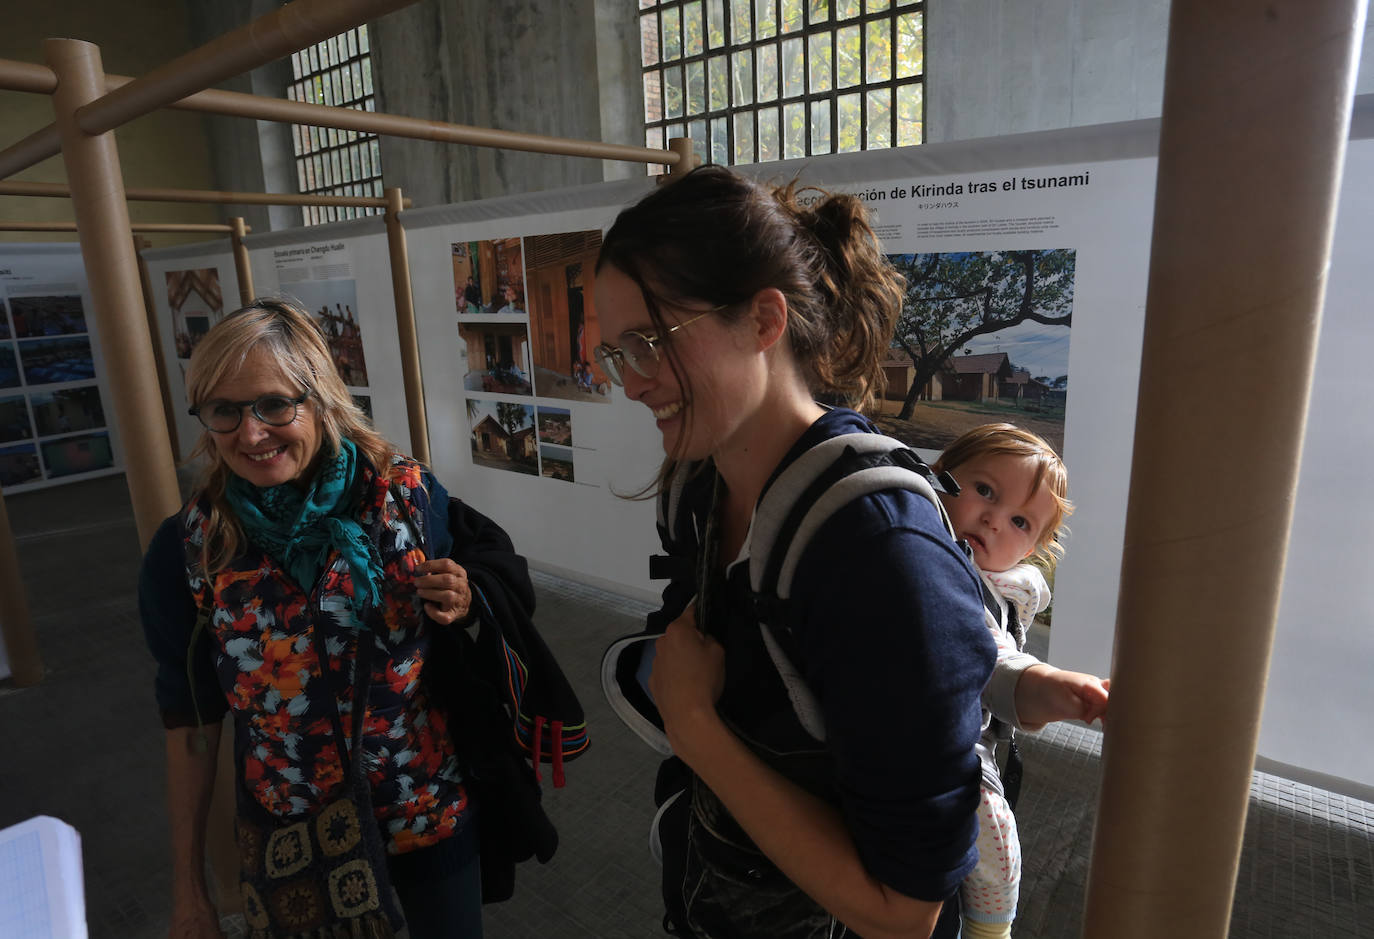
{"points": [[1011, 503]]}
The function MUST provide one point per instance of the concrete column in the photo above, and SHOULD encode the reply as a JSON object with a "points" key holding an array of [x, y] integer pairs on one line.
{"points": [[1256, 91], [102, 219], [405, 327]]}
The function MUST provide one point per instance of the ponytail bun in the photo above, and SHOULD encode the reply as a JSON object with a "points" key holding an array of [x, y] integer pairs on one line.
{"points": [[859, 294]]}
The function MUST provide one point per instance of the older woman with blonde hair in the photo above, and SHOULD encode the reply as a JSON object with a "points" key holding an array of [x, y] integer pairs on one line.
{"points": [[292, 592]]}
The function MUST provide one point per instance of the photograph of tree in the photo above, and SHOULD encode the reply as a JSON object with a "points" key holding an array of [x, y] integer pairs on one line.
{"points": [[983, 336], [47, 361], [497, 357], [334, 304], [14, 419], [19, 464], [555, 426], [9, 366], [556, 462], [563, 324], [47, 316], [503, 436], [67, 409], [196, 303], [67, 456], [489, 277]]}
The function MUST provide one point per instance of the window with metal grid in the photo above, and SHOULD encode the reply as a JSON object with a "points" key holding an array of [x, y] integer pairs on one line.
{"points": [[335, 72], [757, 80]]}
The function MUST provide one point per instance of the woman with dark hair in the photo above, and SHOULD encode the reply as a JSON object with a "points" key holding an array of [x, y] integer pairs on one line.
{"points": [[735, 306], [291, 594]]}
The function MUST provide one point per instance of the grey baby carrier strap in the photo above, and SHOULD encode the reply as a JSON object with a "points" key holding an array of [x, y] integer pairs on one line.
{"points": [[799, 502]]}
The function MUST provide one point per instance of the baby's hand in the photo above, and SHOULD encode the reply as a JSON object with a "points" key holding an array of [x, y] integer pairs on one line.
{"points": [[1045, 693]]}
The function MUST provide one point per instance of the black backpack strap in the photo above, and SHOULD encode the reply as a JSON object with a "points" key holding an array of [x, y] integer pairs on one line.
{"points": [[677, 526]]}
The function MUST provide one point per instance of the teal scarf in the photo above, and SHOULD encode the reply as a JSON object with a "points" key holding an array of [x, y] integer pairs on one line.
{"points": [[297, 528]]}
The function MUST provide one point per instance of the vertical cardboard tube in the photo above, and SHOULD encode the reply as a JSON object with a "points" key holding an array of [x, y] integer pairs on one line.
{"points": [[16, 626], [1235, 292], [150, 307], [405, 327], [242, 268], [102, 219], [687, 157]]}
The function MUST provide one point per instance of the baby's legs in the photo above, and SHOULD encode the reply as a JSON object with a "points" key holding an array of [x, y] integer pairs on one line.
{"points": [[990, 891]]}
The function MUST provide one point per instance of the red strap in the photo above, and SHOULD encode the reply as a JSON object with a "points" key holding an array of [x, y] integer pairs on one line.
{"points": [[558, 778], [538, 743]]}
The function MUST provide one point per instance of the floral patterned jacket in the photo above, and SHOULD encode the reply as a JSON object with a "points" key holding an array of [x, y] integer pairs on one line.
{"points": [[261, 654]]}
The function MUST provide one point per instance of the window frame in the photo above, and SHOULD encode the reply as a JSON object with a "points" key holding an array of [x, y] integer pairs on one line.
{"points": [[656, 129], [329, 161]]}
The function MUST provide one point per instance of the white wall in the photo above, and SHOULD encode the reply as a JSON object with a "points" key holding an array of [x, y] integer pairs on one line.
{"points": [[1323, 656], [997, 67]]}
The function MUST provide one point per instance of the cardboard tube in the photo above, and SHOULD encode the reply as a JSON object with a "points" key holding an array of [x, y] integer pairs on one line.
{"points": [[266, 39], [1235, 294], [212, 196], [26, 76], [238, 104], [242, 268], [35, 148], [102, 220], [145, 281], [687, 159], [137, 226], [16, 626], [405, 328]]}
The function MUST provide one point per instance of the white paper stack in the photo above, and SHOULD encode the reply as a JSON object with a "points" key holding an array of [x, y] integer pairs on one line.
{"points": [[42, 894]]}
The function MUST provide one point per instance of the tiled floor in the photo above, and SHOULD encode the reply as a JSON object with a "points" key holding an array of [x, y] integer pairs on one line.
{"points": [[86, 746]]}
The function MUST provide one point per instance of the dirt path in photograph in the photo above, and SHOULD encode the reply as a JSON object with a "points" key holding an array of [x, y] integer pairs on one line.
{"points": [[935, 426]]}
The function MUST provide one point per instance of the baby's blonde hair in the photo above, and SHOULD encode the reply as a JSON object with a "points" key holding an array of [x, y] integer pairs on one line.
{"points": [[1050, 472]]}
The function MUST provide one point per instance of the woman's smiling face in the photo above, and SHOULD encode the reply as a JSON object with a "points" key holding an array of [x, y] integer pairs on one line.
{"points": [[257, 452], [697, 419]]}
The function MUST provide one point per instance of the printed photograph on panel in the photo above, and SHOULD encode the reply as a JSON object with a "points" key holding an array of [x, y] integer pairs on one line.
{"points": [[555, 426], [983, 336], [489, 277], [563, 324], [497, 357], [47, 316], [48, 361], [19, 464], [502, 434], [364, 403], [334, 304], [68, 456], [196, 303], [66, 410], [9, 366], [556, 462], [14, 419], [4, 322]]}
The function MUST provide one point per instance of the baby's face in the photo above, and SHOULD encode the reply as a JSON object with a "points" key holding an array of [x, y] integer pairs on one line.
{"points": [[996, 512]]}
